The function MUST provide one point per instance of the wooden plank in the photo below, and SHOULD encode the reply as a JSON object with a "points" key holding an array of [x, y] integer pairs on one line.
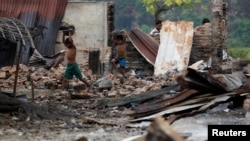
{"points": [[161, 130]]}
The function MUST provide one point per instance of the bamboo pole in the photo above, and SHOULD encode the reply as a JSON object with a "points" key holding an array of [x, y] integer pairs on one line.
{"points": [[32, 88], [17, 67]]}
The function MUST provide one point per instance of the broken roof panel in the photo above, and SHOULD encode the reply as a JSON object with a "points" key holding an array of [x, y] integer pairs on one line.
{"points": [[14, 30], [146, 45], [176, 40], [43, 16]]}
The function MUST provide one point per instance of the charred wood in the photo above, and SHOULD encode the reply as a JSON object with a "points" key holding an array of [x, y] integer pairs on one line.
{"points": [[191, 106], [217, 100], [201, 81], [134, 99], [46, 61], [161, 130], [26, 110], [152, 108]]}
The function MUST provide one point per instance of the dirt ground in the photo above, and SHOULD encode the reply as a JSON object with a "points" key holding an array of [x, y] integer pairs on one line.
{"points": [[96, 125], [108, 124]]}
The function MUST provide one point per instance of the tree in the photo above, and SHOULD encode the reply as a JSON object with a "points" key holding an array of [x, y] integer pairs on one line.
{"points": [[156, 7]]}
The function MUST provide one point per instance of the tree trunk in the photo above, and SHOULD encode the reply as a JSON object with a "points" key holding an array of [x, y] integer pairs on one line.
{"points": [[157, 15]]}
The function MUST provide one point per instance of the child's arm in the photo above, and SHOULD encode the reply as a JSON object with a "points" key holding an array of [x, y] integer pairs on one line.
{"points": [[63, 38], [70, 36]]}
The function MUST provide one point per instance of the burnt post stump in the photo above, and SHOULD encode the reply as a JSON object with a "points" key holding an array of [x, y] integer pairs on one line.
{"points": [[94, 61]]}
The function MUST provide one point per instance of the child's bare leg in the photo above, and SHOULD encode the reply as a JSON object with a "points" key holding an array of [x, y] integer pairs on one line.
{"points": [[85, 82], [113, 61], [64, 81], [122, 71]]}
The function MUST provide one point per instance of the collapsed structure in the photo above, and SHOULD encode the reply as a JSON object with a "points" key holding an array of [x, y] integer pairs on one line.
{"points": [[198, 91]]}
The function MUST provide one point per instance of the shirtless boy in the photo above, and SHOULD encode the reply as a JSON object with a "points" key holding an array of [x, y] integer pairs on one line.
{"points": [[72, 67], [120, 59]]}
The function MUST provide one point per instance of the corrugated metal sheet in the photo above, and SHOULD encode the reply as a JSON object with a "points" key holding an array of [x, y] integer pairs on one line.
{"points": [[38, 15], [145, 44], [175, 47], [13, 30]]}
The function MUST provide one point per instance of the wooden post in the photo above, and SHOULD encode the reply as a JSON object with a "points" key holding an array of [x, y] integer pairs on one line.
{"points": [[94, 61], [218, 34], [17, 67], [32, 89]]}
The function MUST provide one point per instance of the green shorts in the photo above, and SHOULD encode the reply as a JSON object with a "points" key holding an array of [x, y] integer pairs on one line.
{"points": [[71, 70]]}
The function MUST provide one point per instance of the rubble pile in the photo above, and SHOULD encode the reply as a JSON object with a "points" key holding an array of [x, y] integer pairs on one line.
{"points": [[110, 85], [42, 78]]}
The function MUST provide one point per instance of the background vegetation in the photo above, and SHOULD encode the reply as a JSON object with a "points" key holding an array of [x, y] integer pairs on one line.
{"points": [[133, 13], [239, 52]]}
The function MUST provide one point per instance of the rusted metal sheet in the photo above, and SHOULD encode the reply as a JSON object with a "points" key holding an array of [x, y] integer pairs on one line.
{"points": [[150, 108], [212, 103], [144, 44], [38, 15], [14, 30], [197, 104], [206, 82], [232, 81], [175, 47], [168, 111], [195, 83]]}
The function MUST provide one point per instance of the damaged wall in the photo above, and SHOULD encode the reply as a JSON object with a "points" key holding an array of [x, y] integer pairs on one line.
{"points": [[91, 24], [201, 48]]}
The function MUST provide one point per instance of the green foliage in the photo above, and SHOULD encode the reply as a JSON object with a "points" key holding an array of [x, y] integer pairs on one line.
{"points": [[179, 14], [145, 28], [240, 52], [239, 34], [140, 13], [130, 13], [155, 7]]}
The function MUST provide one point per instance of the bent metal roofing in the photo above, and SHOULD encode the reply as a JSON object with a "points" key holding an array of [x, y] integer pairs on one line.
{"points": [[37, 15]]}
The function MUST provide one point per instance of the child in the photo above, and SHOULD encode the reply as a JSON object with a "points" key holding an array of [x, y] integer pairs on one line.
{"points": [[72, 66], [120, 59]]}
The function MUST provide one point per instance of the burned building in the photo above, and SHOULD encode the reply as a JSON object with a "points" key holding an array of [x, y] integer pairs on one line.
{"points": [[42, 18]]}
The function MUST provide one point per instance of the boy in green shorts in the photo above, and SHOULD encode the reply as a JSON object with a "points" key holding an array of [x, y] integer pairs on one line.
{"points": [[72, 67]]}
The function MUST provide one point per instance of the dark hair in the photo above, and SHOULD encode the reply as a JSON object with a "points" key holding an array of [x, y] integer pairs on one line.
{"points": [[205, 20], [68, 41], [158, 22], [118, 35]]}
